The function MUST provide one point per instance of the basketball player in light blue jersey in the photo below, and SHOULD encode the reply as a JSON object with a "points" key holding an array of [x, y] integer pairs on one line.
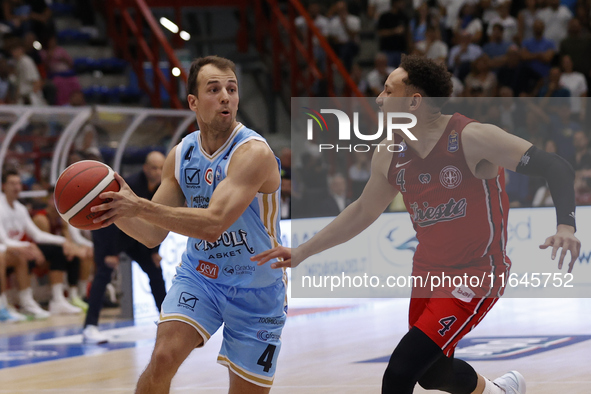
{"points": [[220, 187]]}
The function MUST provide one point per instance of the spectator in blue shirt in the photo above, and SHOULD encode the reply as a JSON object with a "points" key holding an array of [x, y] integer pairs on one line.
{"points": [[552, 87], [538, 51], [536, 55], [496, 48], [563, 129]]}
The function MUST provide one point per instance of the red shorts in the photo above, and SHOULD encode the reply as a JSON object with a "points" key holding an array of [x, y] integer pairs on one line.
{"points": [[447, 320], [447, 314]]}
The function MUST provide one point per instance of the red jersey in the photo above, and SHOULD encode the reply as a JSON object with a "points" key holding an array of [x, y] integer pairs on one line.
{"points": [[460, 220]]}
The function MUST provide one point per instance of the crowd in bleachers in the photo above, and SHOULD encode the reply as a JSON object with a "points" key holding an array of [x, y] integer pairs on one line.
{"points": [[531, 55], [36, 65], [38, 251]]}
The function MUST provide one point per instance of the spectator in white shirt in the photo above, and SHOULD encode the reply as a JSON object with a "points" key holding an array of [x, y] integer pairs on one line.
{"points": [[375, 8], [28, 80], [377, 77], [432, 47], [555, 18], [16, 224], [49, 220], [320, 21], [7, 311], [343, 32], [452, 10], [510, 29], [576, 83], [489, 12], [468, 22], [462, 55], [525, 20]]}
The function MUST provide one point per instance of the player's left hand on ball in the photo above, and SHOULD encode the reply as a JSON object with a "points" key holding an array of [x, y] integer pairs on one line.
{"points": [[565, 239], [124, 203], [278, 252]]}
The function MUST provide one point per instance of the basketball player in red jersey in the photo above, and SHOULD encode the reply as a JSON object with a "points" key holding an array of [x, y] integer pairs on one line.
{"points": [[452, 182]]}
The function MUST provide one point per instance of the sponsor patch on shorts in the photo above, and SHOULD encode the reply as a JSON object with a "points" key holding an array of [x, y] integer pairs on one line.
{"points": [[463, 293]]}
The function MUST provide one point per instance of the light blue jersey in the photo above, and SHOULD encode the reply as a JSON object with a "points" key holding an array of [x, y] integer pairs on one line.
{"points": [[227, 260]]}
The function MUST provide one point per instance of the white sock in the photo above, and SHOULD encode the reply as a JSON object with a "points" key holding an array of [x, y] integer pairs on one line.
{"points": [[491, 388], [3, 301], [57, 292], [26, 295], [73, 293], [82, 287]]}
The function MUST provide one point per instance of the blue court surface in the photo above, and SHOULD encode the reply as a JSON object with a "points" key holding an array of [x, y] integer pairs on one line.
{"points": [[64, 342]]}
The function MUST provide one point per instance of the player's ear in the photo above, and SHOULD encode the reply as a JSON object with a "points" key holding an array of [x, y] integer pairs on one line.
{"points": [[193, 102], [415, 101]]}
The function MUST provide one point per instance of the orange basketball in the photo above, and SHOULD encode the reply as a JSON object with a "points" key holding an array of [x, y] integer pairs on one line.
{"points": [[78, 189]]}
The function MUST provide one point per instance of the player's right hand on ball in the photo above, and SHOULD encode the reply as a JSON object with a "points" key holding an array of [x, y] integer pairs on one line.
{"points": [[124, 203], [282, 253]]}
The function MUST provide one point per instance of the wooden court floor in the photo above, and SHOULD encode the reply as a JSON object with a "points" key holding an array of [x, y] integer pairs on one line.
{"points": [[342, 350]]}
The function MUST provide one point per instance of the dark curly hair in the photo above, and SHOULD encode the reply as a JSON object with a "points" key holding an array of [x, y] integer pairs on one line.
{"points": [[219, 62], [9, 172], [427, 77]]}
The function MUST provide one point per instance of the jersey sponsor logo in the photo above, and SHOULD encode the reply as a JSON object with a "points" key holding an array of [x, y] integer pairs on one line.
{"points": [[200, 202], [425, 178], [229, 270], [208, 269], [187, 301], [453, 142], [402, 164], [227, 239], [192, 176], [265, 335], [209, 176], [450, 177], [444, 212], [463, 293], [272, 320]]}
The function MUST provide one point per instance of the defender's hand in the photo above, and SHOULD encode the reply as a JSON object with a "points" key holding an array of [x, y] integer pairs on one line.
{"points": [[565, 239], [278, 252]]}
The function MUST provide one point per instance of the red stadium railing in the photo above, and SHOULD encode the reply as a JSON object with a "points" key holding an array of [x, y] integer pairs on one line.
{"points": [[129, 20], [277, 36], [128, 23]]}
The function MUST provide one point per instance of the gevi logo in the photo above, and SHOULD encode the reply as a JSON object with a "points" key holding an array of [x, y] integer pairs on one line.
{"points": [[345, 129]]}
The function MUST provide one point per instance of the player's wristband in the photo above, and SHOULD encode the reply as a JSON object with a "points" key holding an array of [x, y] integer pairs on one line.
{"points": [[560, 177]]}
